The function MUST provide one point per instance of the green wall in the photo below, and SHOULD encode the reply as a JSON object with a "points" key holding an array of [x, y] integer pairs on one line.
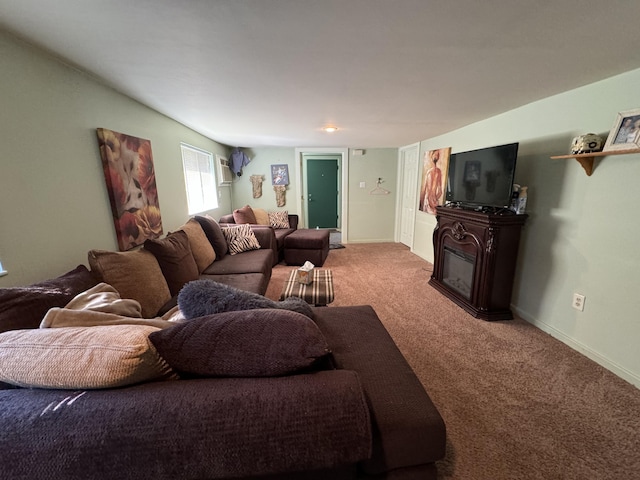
{"points": [[581, 233], [261, 161], [371, 218], [54, 205]]}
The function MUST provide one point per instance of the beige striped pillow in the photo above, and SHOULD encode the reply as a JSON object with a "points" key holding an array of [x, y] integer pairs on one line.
{"points": [[279, 219], [240, 238]]}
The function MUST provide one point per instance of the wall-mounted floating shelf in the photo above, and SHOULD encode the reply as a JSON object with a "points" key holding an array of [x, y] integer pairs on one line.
{"points": [[586, 159]]}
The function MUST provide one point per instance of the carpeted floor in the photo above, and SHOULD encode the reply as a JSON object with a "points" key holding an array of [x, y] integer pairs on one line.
{"points": [[517, 403]]}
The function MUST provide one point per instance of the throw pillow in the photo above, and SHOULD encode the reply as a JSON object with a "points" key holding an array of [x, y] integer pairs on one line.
{"points": [[25, 307], [244, 215], [206, 297], [262, 217], [201, 247], [279, 219], [251, 343], [79, 357], [240, 238], [175, 259], [134, 274], [214, 233]]}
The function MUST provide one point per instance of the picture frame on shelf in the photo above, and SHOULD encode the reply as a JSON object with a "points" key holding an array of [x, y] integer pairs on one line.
{"points": [[625, 134]]}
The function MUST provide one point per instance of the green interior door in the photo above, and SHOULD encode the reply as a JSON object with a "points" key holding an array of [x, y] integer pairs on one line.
{"points": [[322, 193]]}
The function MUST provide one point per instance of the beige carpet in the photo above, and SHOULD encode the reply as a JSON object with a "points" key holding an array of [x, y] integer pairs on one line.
{"points": [[517, 403]]}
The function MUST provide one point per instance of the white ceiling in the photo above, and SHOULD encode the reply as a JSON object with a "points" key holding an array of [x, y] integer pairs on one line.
{"points": [[386, 72]]}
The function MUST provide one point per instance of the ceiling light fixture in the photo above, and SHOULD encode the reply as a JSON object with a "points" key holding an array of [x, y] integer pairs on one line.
{"points": [[330, 129]]}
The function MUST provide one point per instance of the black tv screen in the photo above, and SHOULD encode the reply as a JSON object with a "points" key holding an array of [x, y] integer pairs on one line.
{"points": [[482, 178]]}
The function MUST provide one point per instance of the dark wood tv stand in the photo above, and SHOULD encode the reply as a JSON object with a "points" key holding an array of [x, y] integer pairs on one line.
{"points": [[475, 255]]}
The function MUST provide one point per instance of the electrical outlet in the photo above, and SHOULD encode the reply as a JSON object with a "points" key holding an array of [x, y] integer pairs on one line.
{"points": [[578, 301]]}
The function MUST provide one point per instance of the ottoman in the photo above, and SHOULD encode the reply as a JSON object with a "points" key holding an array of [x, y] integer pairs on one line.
{"points": [[306, 244]]}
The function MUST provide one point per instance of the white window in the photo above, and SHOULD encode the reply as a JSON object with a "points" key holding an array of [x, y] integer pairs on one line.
{"points": [[200, 179]]}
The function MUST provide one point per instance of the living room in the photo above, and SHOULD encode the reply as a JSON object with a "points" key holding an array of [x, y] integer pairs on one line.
{"points": [[573, 240], [579, 237]]}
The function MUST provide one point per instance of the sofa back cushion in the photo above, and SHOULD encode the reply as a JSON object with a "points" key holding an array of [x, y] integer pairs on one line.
{"points": [[176, 261], [244, 215], [214, 233], [249, 343], [201, 248], [134, 274], [25, 307], [262, 216]]}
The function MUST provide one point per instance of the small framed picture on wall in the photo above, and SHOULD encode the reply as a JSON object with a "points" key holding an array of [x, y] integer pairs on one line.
{"points": [[280, 174]]}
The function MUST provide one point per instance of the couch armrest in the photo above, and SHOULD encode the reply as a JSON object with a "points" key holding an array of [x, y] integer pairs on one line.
{"points": [[408, 429], [227, 219]]}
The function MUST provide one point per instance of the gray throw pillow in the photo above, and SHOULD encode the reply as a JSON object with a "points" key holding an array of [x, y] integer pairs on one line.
{"points": [[206, 297]]}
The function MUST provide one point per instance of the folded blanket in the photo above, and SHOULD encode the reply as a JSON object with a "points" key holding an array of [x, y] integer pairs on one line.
{"points": [[63, 317], [105, 298], [102, 305]]}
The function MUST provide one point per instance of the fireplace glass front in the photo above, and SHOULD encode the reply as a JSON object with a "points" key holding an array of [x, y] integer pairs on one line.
{"points": [[457, 271]]}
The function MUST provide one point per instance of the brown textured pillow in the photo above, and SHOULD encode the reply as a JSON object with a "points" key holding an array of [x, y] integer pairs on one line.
{"points": [[134, 274], [80, 357], [25, 307], [201, 248], [176, 261], [262, 217], [240, 238], [279, 219], [244, 215], [249, 343], [214, 233]]}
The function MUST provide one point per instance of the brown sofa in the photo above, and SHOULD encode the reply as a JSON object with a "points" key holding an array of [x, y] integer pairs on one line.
{"points": [[360, 414], [354, 410], [279, 234]]}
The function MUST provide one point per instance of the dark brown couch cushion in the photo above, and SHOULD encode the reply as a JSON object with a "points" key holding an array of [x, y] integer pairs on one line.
{"points": [[254, 261], [24, 307], [249, 343], [214, 233], [204, 428], [175, 259], [244, 215], [134, 274]]}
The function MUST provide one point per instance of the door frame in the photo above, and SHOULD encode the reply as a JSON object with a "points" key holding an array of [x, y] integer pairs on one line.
{"points": [[400, 183], [343, 164]]}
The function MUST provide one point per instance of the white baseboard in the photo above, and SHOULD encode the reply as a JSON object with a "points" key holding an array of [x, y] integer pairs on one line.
{"points": [[586, 351], [372, 240]]}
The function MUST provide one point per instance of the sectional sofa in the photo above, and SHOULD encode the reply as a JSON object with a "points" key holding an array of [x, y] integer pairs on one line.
{"points": [[254, 394]]}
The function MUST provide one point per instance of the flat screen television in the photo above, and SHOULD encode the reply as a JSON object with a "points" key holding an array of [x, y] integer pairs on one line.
{"points": [[482, 178]]}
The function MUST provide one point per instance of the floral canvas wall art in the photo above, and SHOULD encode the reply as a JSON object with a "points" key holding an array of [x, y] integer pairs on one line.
{"points": [[127, 162]]}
